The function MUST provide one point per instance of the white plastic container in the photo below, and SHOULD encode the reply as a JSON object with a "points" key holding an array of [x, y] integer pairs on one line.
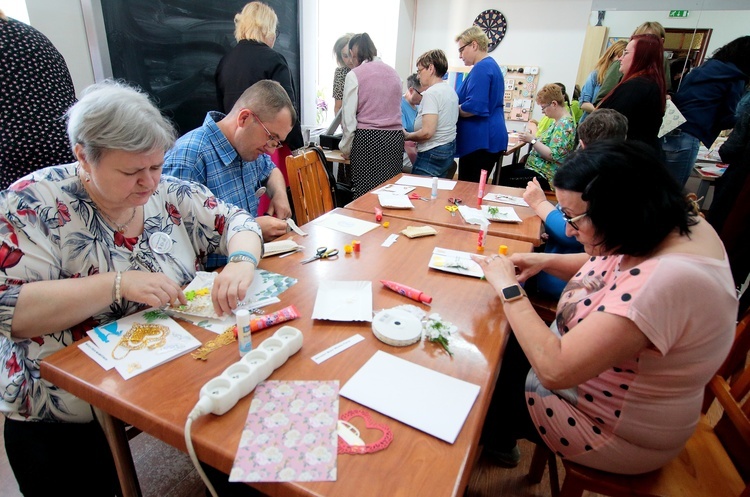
{"points": [[434, 188], [244, 335]]}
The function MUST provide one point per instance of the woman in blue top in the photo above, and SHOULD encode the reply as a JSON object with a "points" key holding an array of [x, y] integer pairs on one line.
{"points": [[707, 98], [481, 134]]}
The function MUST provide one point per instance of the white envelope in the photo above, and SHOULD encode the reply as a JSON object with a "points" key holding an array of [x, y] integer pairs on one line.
{"points": [[429, 401], [344, 301]]}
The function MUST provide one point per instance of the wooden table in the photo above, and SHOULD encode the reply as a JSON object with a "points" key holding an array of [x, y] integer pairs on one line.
{"points": [[433, 212], [158, 401], [335, 156]]}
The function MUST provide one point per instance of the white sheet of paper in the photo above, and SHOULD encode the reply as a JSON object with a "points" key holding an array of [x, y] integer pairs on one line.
{"points": [[389, 241], [393, 188], [96, 355], [443, 184], [350, 225], [501, 214], [505, 199], [471, 215], [429, 401], [395, 201], [335, 349], [344, 301], [454, 261]]}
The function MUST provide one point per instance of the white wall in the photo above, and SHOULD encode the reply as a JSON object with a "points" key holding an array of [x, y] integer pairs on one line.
{"points": [[727, 25], [543, 33]]}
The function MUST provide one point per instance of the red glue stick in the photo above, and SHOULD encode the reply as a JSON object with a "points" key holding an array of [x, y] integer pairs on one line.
{"points": [[482, 183], [267, 320], [407, 291], [378, 214]]}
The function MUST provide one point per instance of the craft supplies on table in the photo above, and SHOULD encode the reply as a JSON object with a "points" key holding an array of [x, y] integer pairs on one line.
{"points": [[455, 261]]}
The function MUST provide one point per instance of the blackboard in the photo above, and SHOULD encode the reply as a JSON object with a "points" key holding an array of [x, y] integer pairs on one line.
{"points": [[170, 48]]}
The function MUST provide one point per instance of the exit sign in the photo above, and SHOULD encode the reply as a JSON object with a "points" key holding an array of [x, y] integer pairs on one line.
{"points": [[678, 13]]}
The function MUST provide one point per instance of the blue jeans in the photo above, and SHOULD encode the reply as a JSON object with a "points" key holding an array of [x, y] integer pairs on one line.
{"points": [[435, 161], [679, 151]]}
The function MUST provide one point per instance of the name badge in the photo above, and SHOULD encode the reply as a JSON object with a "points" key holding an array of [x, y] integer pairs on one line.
{"points": [[260, 191], [160, 242]]}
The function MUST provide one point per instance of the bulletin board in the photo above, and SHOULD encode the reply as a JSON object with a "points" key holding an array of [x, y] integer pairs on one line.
{"points": [[521, 84]]}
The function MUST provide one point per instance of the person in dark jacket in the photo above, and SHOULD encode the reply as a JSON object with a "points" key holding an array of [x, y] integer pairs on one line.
{"points": [[707, 98]]}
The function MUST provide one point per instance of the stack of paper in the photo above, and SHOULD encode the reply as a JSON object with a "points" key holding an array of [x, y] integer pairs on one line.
{"points": [[392, 201], [138, 342]]}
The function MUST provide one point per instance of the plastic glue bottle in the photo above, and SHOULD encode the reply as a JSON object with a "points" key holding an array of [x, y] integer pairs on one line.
{"points": [[244, 335], [434, 188]]}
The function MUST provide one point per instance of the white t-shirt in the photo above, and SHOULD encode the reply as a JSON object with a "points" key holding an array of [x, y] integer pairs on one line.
{"points": [[442, 100]]}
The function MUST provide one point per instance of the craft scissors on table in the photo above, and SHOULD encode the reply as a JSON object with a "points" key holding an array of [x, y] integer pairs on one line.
{"points": [[452, 209], [322, 253], [455, 201], [415, 196]]}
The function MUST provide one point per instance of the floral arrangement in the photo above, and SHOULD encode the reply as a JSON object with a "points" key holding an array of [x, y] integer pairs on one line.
{"points": [[439, 331], [321, 108]]}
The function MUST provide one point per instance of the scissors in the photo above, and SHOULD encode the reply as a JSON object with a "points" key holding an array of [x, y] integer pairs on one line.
{"points": [[415, 196], [452, 209], [322, 253], [455, 201]]}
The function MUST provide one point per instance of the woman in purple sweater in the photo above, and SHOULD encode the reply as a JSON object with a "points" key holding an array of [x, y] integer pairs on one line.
{"points": [[371, 118]]}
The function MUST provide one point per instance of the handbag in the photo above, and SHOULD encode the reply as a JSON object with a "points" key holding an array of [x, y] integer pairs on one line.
{"points": [[672, 118]]}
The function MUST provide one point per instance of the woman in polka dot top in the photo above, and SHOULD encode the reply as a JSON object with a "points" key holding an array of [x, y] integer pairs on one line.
{"points": [[646, 319]]}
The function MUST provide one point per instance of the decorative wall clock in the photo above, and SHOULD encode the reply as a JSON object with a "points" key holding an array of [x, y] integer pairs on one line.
{"points": [[494, 25]]}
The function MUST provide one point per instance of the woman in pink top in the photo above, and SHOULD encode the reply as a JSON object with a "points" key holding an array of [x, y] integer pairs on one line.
{"points": [[371, 118], [646, 319]]}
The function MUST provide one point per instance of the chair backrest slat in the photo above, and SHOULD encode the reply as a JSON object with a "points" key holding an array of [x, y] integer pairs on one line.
{"points": [[311, 189]]}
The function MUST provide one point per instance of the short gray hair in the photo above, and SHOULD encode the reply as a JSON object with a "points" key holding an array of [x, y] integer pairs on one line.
{"points": [[266, 98], [114, 116], [603, 124], [412, 81]]}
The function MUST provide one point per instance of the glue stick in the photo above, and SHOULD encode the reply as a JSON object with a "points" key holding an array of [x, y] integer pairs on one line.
{"points": [[434, 188], [244, 335], [483, 228]]}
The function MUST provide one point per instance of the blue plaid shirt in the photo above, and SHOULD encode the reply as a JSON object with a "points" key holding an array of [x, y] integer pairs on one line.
{"points": [[205, 156]]}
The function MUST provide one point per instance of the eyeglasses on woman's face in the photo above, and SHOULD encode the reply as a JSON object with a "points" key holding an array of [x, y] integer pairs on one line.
{"points": [[461, 49], [273, 142], [572, 221]]}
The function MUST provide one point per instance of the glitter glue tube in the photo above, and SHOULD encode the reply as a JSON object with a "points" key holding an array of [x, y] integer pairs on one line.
{"points": [[434, 188], [244, 336], [268, 320], [407, 291], [378, 214], [482, 235], [482, 183]]}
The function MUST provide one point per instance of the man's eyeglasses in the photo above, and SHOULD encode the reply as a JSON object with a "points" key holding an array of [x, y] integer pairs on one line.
{"points": [[418, 92], [272, 142], [572, 220], [461, 49]]}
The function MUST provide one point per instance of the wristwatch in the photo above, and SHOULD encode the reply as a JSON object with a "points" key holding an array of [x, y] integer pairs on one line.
{"points": [[533, 141], [511, 293]]}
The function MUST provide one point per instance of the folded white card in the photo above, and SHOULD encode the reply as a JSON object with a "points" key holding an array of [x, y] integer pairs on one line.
{"points": [[346, 224], [344, 301], [501, 214], [393, 201], [429, 401]]}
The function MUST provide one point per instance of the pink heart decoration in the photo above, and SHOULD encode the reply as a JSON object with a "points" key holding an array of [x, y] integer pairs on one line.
{"points": [[384, 441]]}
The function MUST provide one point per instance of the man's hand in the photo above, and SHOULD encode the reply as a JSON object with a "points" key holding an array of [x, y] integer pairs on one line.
{"points": [[271, 227], [279, 206]]}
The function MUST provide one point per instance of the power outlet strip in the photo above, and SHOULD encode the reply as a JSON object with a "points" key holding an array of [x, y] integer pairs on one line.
{"points": [[220, 394]]}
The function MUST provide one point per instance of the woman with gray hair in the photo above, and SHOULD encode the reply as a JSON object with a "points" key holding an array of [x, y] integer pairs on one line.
{"points": [[85, 244]]}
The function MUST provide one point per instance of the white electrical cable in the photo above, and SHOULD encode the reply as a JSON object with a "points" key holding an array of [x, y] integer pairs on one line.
{"points": [[195, 414]]}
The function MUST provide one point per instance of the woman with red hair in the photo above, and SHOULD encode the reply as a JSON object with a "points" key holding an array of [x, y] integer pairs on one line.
{"points": [[641, 95]]}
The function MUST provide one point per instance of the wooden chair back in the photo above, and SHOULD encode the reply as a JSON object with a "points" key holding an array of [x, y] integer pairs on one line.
{"points": [[735, 361], [312, 189]]}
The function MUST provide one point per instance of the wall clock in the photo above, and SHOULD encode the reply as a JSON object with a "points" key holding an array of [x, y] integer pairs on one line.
{"points": [[494, 25]]}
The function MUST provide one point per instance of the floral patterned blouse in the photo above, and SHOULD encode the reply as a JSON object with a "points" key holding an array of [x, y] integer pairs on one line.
{"points": [[50, 229], [560, 138]]}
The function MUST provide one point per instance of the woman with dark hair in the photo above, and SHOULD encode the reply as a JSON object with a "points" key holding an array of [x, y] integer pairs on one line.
{"points": [[707, 98], [641, 95], [371, 117], [435, 124], [618, 379], [343, 66]]}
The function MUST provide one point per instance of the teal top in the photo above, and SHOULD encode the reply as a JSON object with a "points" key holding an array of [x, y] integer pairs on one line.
{"points": [[560, 138]]}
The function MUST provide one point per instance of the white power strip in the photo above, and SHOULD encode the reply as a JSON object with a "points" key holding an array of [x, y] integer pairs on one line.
{"points": [[220, 394]]}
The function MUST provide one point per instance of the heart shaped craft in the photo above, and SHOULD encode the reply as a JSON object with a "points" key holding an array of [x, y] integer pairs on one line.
{"points": [[384, 441]]}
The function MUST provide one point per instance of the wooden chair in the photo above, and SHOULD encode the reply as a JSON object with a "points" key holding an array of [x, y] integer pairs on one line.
{"points": [[714, 462], [312, 186]]}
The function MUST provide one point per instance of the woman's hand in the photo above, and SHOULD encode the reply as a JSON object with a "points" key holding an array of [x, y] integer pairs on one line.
{"points": [[528, 264], [498, 270], [525, 137], [230, 286], [534, 195], [154, 289]]}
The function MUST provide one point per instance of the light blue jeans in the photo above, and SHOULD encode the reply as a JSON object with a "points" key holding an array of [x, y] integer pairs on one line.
{"points": [[436, 161], [679, 151]]}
